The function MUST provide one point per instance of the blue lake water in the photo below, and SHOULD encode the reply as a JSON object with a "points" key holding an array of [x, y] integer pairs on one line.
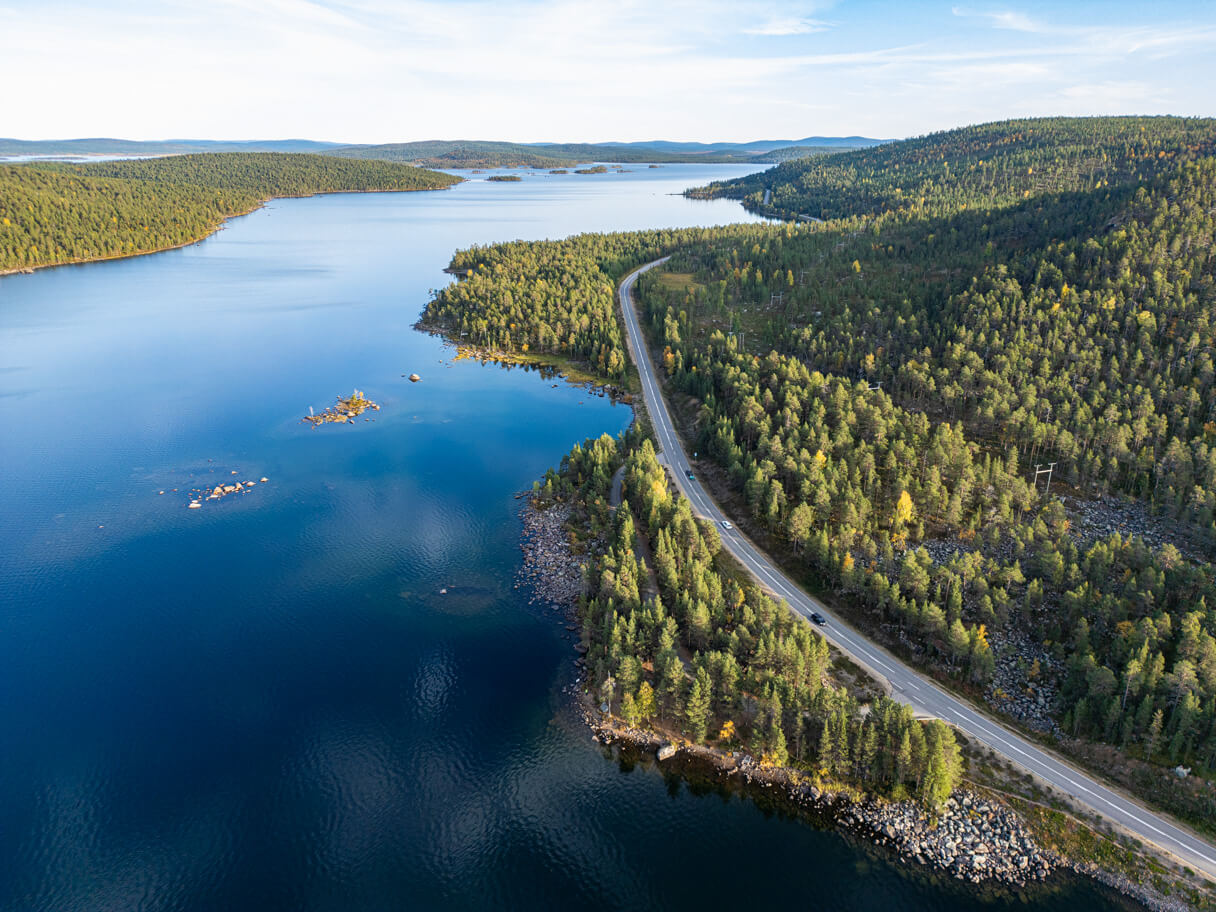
{"points": [[267, 703]]}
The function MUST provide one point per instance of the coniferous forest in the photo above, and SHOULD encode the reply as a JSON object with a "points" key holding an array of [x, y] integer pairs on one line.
{"points": [[56, 213], [688, 643], [873, 394]]}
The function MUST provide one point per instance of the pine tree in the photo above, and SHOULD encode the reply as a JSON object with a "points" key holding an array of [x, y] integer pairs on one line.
{"points": [[903, 758], [777, 749], [696, 710], [943, 767], [827, 745], [645, 702], [629, 710]]}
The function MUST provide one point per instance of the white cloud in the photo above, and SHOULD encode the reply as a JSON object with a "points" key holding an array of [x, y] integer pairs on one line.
{"points": [[1003, 19], [787, 27]]}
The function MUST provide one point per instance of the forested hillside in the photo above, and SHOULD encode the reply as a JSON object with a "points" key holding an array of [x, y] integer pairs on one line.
{"points": [[55, 213], [877, 392], [552, 297], [272, 174], [990, 166]]}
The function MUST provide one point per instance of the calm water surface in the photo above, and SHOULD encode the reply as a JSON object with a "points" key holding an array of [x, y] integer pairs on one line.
{"points": [[267, 703]]}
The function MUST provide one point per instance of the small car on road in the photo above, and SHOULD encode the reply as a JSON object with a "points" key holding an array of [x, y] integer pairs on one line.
{"points": [[818, 619], [726, 525], [689, 473]]}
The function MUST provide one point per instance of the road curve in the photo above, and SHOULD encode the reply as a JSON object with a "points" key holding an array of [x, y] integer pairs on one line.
{"points": [[905, 684]]}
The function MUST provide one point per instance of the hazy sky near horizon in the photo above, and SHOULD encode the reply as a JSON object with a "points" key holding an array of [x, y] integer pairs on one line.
{"points": [[570, 70]]}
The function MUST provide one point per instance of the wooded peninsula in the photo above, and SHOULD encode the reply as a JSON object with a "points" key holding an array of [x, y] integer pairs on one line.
{"points": [[52, 213]]}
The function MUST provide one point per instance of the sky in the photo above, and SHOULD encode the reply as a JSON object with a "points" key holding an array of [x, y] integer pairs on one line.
{"points": [[575, 71]]}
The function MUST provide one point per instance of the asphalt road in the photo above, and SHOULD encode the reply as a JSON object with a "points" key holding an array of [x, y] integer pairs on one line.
{"points": [[904, 683]]}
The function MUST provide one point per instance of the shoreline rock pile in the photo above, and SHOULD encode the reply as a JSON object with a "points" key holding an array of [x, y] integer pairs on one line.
{"points": [[1144, 894], [551, 569], [972, 839]]}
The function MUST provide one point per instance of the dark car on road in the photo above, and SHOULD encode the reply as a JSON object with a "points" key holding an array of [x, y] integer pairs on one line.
{"points": [[818, 619], [689, 473]]}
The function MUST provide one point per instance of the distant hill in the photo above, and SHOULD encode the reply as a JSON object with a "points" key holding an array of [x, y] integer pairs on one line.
{"points": [[488, 154], [835, 143], [460, 153], [108, 146]]}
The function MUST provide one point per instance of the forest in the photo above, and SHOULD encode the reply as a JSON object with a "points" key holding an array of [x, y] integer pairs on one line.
{"points": [[551, 297], [58, 213], [877, 391], [684, 646]]}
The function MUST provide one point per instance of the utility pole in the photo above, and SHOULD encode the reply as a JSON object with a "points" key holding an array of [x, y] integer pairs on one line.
{"points": [[1039, 470]]}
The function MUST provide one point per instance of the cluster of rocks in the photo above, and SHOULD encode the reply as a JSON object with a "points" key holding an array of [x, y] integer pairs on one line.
{"points": [[551, 568], [220, 491], [606, 729], [971, 838], [944, 550], [1094, 520], [1014, 690]]}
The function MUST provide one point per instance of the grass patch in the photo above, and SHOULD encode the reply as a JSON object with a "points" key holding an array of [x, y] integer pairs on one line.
{"points": [[678, 281]]}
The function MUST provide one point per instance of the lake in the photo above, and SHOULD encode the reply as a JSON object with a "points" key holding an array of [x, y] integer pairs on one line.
{"points": [[268, 703]]}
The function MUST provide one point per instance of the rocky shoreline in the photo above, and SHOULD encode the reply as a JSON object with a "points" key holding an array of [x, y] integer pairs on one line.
{"points": [[551, 568], [974, 838]]}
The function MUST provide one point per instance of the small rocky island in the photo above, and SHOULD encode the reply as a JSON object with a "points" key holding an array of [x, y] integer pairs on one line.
{"points": [[504, 177], [347, 410], [220, 491]]}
